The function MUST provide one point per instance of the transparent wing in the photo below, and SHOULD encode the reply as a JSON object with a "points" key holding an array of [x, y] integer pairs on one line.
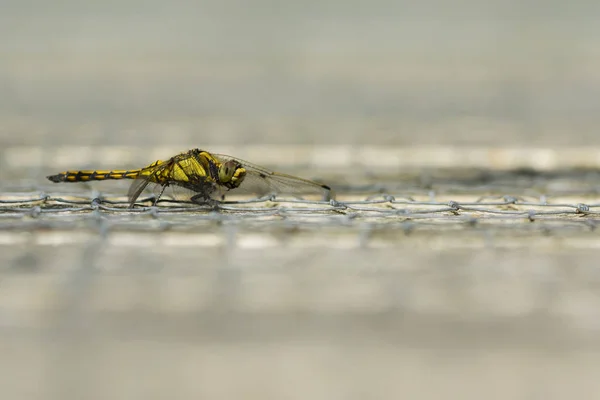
{"points": [[262, 181], [136, 189]]}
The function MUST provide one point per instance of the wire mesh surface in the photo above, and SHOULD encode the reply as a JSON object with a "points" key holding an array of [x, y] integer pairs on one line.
{"points": [[39, 210], [494, 266]]}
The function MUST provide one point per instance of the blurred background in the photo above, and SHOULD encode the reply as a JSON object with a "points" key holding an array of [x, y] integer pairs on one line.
{"points": [[424, 98], [220, 72]]}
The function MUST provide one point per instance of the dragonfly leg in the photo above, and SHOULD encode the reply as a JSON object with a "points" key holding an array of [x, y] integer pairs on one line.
{"points": [[162, 190]]}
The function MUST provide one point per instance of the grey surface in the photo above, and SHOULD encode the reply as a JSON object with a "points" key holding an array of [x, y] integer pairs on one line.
{"points": [[293, 302], [483, 304], [522, 327]]}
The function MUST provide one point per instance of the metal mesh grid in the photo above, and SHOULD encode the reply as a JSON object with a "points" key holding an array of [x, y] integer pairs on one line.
{"points": [[476, 188], [506, 212], [478, 260], [93, 292]]}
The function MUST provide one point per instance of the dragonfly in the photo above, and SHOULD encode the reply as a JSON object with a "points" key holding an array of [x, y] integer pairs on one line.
{"points": [[203, 178]]}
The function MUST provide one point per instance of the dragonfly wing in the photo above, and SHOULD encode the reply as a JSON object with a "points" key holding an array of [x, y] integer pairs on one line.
{"points": [[278, 183], [136, 189]]}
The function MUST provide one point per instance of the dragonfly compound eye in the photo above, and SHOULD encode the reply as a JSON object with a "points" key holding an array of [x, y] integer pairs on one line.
{"points": [[226, 171]]}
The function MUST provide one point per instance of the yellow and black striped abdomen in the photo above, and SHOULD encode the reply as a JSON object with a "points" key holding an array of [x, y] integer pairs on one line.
{"points": [[92, 175]]}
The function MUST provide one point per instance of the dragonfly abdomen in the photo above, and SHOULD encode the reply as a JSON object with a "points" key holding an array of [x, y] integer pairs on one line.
{"points": [[85, 176]]}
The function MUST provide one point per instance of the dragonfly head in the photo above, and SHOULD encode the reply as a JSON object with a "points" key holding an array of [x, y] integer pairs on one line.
{"points": [[231, 174]]}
